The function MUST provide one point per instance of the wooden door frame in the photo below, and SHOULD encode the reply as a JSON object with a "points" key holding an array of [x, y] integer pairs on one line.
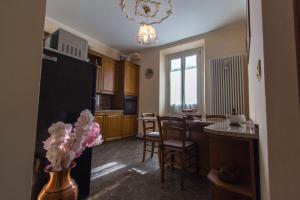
{"points": [[297, 33]]}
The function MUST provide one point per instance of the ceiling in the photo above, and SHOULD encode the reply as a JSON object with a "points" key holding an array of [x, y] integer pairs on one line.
{"points": [[103, 20]]}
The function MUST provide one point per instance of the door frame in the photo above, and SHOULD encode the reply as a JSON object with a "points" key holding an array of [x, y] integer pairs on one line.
{"points": [[297, 34]]}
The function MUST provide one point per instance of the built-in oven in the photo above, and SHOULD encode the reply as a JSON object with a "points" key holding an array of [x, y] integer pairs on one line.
{"points": [[130, 105]]}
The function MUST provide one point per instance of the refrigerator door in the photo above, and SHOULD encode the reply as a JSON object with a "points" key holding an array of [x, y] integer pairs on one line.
{"points": [[67, 87]]}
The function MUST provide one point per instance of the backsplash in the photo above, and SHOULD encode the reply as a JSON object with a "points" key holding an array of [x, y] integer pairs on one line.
{"points": [[103, 102]]}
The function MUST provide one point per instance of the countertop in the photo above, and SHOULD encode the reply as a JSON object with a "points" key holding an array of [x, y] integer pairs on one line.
{"points": [[109, 111], [223, 129]]}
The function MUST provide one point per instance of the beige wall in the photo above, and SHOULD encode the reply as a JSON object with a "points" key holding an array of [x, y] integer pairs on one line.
{"points": [[283, 111], [227, 41], [274, 103], [257, 98], [230, 41], [20, 63]]}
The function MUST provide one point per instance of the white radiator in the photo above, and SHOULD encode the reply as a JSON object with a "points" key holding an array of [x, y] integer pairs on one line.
{"points": [[227, 85]]}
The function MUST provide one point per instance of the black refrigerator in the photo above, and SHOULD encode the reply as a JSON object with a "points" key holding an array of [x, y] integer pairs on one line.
{"points": [[67, 87]]}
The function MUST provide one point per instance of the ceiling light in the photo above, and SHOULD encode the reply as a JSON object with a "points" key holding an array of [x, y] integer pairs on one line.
{"points": [[147, 13]]}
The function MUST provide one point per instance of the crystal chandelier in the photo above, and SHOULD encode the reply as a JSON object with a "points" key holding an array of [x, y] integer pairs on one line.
{"points": [[147, 13]]}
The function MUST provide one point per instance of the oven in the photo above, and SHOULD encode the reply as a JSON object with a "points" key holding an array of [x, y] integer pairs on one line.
{"points": [[130, 105]]}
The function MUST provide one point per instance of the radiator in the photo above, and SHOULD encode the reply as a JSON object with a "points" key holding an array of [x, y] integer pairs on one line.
{"points": [[227, 85]]}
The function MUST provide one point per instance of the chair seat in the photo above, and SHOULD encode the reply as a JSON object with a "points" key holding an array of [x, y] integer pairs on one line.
{"points": [[153, 134], [177, 143]]}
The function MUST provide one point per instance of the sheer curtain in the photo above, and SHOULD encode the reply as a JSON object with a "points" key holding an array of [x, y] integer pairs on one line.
{"points": [[183, 82]]}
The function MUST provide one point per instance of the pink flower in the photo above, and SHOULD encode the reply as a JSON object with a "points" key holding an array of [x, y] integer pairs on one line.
{"points": [[66, 142], [94, 136]]}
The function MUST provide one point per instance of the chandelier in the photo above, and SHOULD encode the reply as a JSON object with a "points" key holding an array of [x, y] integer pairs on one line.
{"points": [[146, 13]]}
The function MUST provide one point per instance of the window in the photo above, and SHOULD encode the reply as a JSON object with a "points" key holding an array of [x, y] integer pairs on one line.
{"points": [[184, 75]]}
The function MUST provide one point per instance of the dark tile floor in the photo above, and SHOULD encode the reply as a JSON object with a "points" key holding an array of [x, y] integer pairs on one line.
{"points": [[119, 174]]}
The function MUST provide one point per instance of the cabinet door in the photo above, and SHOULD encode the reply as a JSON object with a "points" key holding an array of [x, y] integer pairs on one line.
{"points": [[129, 125], [108, 76], [131, 80], [113, 127], [98, 79], [100, 120]]}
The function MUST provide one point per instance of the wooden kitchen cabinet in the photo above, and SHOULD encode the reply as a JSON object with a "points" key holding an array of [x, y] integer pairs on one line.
{"points": [[108, 76], [129, 125], [131, 79], [113, 127], [98, 79], [100, 120]]}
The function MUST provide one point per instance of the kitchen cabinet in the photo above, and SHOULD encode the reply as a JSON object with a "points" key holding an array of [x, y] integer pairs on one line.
{"points": [[129, 125], [98, 79], [108, 76], [113, 127], [131, 79], [100, 120], [110, 124]]}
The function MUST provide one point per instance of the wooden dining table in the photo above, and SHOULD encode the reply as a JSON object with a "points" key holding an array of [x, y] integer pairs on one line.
{"points": [[195, 133]]}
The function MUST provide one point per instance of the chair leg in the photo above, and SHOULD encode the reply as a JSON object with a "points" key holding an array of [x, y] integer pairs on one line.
{"points": [[159, 155], [197, 160], [162, 168], [152, 150], [144, 152], [183, 170], [172, 161]]}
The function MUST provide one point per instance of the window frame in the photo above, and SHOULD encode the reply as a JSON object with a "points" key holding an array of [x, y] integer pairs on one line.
{"points": [[200, 77]]}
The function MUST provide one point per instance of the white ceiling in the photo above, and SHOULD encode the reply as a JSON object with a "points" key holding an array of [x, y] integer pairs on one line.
{"points": [[103, 20]]}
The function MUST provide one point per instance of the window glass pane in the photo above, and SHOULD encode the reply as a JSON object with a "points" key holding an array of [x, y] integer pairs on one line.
{"points": [[175, 88], [190, 89], [191, 61], [176, 64]]}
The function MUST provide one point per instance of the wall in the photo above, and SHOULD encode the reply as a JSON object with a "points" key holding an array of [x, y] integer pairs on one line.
{"points": [[274, 103], [52, 25], [257, 98], [283, 111], [22, 25], [223, 42]]}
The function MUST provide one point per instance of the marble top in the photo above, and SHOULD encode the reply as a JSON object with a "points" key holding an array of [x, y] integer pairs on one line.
{"points": [[189, 122], [224, 129], [109, 111]]}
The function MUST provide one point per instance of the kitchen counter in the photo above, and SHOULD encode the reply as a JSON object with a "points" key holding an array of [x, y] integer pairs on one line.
{"points": [[223, 129], [108, 111]]}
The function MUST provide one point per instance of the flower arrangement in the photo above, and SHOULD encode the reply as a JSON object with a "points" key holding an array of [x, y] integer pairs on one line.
{"points": [[67, 142]]}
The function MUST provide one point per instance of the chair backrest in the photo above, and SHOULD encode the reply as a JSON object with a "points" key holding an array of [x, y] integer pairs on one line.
{"points": [[148, 124], [172, 127]]}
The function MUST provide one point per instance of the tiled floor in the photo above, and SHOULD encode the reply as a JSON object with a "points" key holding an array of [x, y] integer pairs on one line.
{"points": [[119, 174]]}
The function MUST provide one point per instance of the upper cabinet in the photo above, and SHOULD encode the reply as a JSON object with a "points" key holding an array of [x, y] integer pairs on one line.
{"points": [[106, 81], [98, 79], [108, 76], [131, 79]]}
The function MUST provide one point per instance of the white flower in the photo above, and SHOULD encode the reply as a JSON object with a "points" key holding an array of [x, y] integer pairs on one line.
{"points": [[68, 158]]}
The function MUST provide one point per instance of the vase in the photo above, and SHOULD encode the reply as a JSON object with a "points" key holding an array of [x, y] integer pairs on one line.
{"points": [[60, 186]]}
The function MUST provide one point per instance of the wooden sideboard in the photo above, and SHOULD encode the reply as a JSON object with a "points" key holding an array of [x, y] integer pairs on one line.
{"points": [[234, 148]]}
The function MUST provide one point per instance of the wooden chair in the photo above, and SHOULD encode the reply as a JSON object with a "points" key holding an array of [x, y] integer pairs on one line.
{"points": [[174, 142], [150, 135]]}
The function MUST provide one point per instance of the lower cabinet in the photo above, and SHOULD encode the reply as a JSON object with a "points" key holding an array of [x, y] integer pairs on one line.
{"points": [[113, 127], [129, 125], [110, 125], [116, 126]]}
